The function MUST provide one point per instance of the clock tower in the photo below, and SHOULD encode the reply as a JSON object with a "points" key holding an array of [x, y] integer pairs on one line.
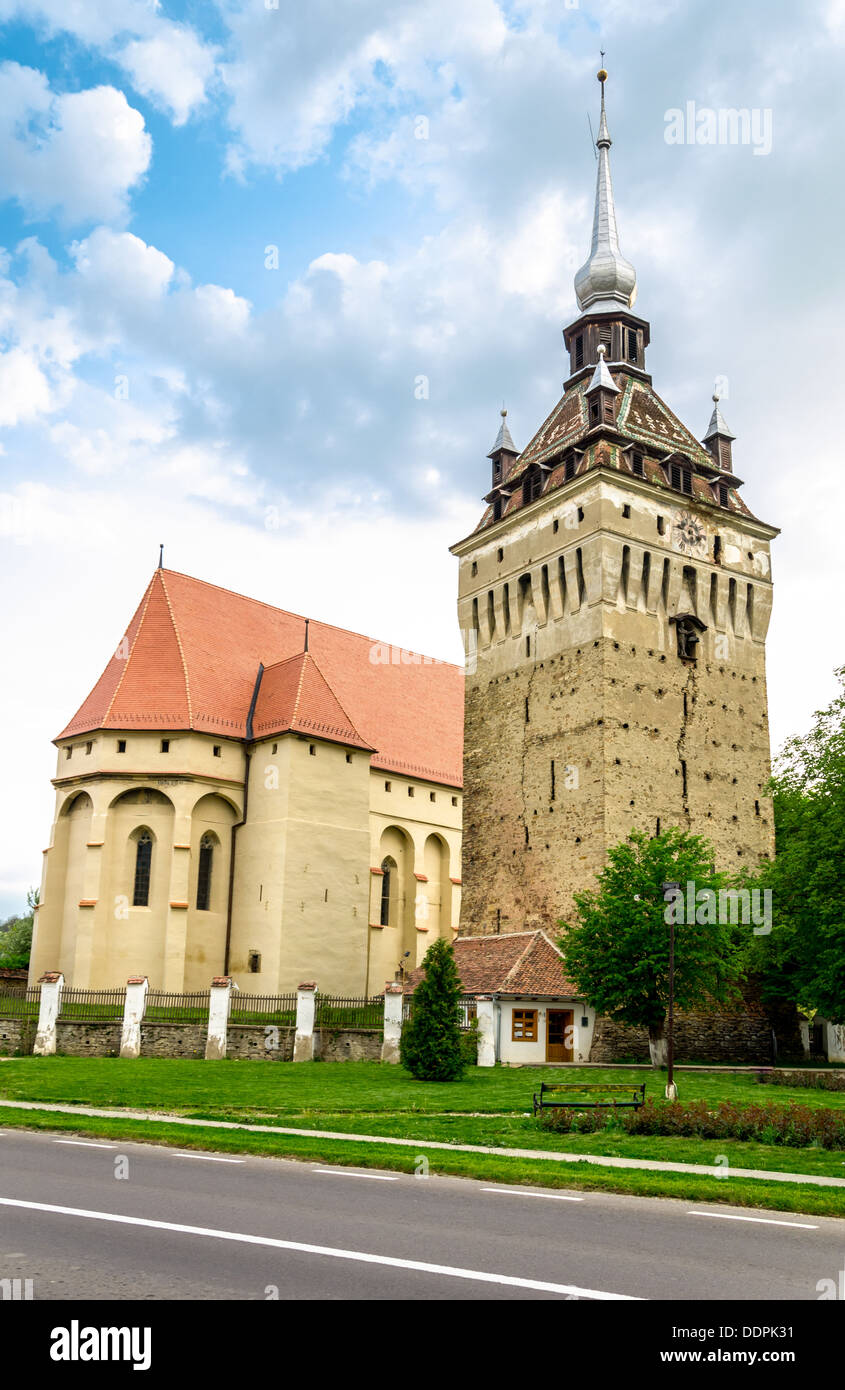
{"points": [[615, 598]]}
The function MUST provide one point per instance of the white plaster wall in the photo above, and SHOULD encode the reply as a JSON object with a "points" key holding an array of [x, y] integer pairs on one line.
{"points": [[535, 1052]]}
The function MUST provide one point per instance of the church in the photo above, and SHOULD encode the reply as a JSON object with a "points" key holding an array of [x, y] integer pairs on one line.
{"points": [[250, 793]]}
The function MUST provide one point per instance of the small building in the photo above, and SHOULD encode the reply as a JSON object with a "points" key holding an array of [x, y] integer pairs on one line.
{"points": [[538, 1015]]}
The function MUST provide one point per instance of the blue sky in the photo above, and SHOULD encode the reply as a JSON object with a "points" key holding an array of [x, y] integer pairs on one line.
{"points": [[159, 382]]}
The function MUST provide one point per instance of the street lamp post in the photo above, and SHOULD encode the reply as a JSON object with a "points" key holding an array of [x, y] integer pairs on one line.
{"points": [[669, 889]]}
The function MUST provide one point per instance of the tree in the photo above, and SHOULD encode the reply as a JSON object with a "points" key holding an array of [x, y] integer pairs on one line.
{"points": [[430, 1046], [803, 959], [617, 953], [16, 936]]}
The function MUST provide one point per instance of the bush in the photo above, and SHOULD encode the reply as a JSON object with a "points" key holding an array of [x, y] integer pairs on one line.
{"points": [[431, 1047], [795, 1125]]}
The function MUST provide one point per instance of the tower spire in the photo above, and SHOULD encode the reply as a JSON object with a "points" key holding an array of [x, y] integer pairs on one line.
{"points": [[606, 279]]}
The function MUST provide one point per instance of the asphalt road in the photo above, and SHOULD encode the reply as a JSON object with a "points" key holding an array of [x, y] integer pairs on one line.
{"points": [[199, 1226]]}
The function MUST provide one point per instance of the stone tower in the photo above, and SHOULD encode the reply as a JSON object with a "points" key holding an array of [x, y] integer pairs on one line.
{"points": [[615, 598]]}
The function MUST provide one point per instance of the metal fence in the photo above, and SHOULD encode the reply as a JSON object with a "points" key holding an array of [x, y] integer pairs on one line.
{"points": [[164, 1006], [20, 1003], [334, 1011], [467, 1010], [92, 1005], [263, 1008]]}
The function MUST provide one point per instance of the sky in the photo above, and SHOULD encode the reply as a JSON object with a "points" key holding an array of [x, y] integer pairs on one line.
{"points": [[269, 270]]}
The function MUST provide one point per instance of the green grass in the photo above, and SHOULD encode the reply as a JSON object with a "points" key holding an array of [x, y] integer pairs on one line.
{"points": [[491, 1106], [783, 1197]]}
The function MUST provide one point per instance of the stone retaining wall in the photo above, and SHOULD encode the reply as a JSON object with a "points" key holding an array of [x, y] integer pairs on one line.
{"points": [[744, 1037], [348, 1045], [13, 1033], [88, 1039], [173, 1039]]}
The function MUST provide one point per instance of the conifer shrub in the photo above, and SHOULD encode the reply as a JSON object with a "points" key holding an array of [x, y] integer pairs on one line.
{"points": [[431, 1048]]}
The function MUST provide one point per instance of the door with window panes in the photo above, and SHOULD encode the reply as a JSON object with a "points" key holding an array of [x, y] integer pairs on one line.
{"points": [[559, 1030]]}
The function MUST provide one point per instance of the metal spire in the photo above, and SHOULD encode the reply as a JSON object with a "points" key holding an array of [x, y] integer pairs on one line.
{"points": [[161, 556], [718, 424], [606, 279], [503, 438]]}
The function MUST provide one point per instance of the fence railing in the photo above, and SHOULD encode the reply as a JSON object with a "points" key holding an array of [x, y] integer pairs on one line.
{"points": [[335, 1011], [92, 1005], [467, 1010], [263, 1008], [164, 1006], [20, 1004]]}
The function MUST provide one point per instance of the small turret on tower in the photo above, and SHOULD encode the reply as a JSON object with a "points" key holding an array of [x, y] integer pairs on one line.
{"points": [[601, 391], [719, 439], [503, 453]]}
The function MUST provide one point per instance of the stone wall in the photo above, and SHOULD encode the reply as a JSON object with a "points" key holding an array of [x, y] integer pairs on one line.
{"points": [[742, 1037], [173, 1039], [251, 1042], [13, 1035], [348, 1045], [88, 1039]]}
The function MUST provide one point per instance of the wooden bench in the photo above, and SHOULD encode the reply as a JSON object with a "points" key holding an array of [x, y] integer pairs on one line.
{"points": [[636, 1096]]}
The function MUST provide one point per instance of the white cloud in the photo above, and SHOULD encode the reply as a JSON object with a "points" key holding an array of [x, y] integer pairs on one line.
{"points": [[173, 68], [24, 389], [75, 153]]}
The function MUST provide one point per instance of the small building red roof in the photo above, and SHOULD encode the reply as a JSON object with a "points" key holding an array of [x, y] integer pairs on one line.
{"points": [[521, 963], [190, 660]]}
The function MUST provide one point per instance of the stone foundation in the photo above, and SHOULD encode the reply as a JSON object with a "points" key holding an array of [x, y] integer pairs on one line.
{"points": [[13, 1036], [173, 1039], [348, 1045]]}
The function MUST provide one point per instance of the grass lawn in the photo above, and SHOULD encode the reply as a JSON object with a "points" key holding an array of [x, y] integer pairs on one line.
{"points": [[490, 1107]]}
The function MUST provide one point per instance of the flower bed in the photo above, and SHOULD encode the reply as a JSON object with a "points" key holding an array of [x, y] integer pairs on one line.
{"points": [[795, 1125]]}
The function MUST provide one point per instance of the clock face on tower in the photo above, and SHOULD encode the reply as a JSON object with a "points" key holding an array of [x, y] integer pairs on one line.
{"points": [[690, 535]]}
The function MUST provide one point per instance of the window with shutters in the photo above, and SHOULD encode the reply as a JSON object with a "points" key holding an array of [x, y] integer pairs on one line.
{"points": [[637, 465], [579, 350], [632, 344], [533, 486]]}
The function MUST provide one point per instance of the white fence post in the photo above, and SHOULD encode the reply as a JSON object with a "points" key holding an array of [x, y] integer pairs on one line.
{"points": [[52, 983], [133, 1015], [836, 1042], [394, 999], [486, 1016], [303, 1042], [218, 1017]]}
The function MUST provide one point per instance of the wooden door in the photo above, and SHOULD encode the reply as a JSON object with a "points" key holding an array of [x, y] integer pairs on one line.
{"points": [[559, 1030]]}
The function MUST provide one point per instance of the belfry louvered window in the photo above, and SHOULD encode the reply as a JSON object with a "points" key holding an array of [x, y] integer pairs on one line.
{"points": [[204, 873], [681, 478], [533, 485], [143, 862]]}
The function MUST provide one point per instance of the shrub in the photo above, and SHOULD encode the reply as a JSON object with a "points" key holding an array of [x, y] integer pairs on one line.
{"points": [[795, 1125], [430, 1047]]}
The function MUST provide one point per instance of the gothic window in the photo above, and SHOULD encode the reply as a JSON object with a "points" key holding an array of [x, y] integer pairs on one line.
{"points": [[255, 963], [388, 868], [204, 873], [143, 862]]}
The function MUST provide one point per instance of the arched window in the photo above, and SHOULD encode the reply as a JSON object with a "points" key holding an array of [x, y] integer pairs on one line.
{"points": [[143, 863], [388, 867], [204, 873]]}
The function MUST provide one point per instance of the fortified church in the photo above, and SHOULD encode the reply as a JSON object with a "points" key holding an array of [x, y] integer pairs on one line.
{"points": [[250, 793]]}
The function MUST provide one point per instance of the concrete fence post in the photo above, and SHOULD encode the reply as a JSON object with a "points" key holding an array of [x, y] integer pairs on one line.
{"points": [[134, 1006], [486, 1016], [52, 983], [303, 1041], [836, 1042], [218, 1017], [394, 999]]}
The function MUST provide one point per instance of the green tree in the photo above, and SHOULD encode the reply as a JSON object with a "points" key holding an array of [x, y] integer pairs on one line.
{"points": [[16, 936], [430, 1046], [617, 952], [803, 959]]}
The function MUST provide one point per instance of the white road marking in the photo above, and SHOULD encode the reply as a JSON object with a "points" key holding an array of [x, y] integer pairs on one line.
{"points": [[551, 1196], [760, 1220], [207, 1158], [347, 1173], [418, 1266], [84, 1144]]}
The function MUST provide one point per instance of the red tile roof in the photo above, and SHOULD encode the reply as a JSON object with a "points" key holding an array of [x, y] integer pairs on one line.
{"points": [[190, 661], [521, 963]]}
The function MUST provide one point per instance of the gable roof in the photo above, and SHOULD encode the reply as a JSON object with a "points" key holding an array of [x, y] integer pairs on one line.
{"points": [[526, 963], [190, 660]]}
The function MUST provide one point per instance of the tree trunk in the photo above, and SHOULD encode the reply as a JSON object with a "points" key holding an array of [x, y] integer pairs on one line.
{"points": [[657, 1045]]}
